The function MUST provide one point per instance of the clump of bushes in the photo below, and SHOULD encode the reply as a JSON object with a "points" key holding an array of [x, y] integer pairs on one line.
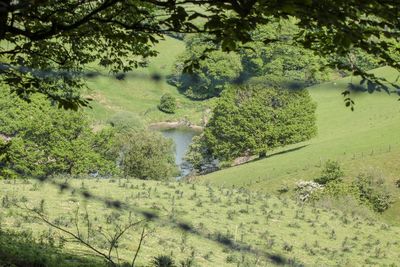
{"points": [[369, 187], [373, 190], [332, 171], [167, 103]]}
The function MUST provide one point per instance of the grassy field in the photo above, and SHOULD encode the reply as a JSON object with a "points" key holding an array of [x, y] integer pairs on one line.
{"points": [[139, 94], [224, 226], [365, 138]]}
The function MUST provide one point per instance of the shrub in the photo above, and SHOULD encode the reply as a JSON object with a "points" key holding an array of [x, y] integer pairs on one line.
{"points": [[397, 183], [146, 155], [126, 121], [283, 189], [339, 189], [306, 189], [331, 172], [163, 261], [373, 190], [167, 103]]}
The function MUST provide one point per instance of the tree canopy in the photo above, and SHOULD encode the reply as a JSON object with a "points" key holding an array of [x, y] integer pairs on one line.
{"points": [[146, 155], [253, 119], [214, 72], [46, 44], [38, 140]]}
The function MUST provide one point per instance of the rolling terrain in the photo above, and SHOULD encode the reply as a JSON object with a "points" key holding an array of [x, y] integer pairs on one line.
{"points": [[139, 93], [208, 225], [361, 139]]}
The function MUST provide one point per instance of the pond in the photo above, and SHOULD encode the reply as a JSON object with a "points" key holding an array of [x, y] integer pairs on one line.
{"points": [[182, 138]]}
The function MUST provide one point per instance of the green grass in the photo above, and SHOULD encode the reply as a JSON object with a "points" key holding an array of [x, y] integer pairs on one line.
{"points": [[254, 229], [365, 138], [139, 94]]}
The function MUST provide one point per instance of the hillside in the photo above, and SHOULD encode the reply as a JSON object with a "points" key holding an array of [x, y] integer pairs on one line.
{"points": [[139, 94], [365, 138], [224, 226]]}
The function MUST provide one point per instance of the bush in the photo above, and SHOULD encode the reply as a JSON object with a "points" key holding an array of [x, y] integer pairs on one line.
{"points": [[163, 261], [339, 190], [397, 183], [126, 121], [331, 172], [167, 103], [146, 155], [373, 190], [306, 189]]}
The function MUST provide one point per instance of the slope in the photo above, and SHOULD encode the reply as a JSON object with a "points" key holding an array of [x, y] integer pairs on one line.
{"points": [[365, 138], [139, 93]]}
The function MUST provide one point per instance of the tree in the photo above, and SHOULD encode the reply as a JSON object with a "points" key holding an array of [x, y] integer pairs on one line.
{"points": [[167, 103], [46, 44], [253, 119], [146, 155], [41, 140], [332, 172], [283, 60], [374, 190], [214, 72]]}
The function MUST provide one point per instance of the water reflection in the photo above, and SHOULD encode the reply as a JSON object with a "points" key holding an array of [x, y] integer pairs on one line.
{"points": [[182, 138]]}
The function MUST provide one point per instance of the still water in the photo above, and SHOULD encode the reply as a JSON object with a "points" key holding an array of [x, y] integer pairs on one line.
{"points": [[182, 138]]}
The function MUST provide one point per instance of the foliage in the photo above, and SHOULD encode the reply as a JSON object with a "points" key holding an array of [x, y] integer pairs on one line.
{"points": [[282, 59], [305, 190], [167, 103], [373, 190], [199, 157], [338, 189], [213, 73], [48, 43], [146, 155], [163, 261], [45, 140], [369, 188], [356, 57], [349, 137], [331, 172], [253, 119], [397, 183]]}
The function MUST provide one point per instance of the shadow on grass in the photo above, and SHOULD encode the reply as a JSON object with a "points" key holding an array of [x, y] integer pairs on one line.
{"points": [[243, 247], [20, 249], [276, 154], [284, 151]]}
